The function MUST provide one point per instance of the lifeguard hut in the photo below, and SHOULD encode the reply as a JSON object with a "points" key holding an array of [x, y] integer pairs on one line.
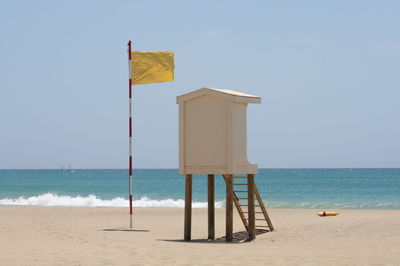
{"points": [[213, 140]]}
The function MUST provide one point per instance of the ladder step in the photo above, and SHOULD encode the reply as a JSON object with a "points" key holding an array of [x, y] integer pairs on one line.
{"points": [[240, 191], [239, 176]]}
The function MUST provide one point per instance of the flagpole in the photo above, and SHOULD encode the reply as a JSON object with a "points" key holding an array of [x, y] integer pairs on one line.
{"points": [[130, 131]]}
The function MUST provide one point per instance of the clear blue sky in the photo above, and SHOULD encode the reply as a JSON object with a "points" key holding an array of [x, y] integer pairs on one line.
{"points": [[328, 73]]}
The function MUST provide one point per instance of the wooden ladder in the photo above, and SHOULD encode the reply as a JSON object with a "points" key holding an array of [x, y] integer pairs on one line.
{"points": [[240, 198]]}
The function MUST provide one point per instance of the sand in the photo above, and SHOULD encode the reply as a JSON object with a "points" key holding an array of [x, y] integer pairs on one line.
{"points": [[101, 236]]}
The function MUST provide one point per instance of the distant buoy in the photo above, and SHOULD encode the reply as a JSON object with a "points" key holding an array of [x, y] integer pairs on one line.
{"points": [[327, 214]]}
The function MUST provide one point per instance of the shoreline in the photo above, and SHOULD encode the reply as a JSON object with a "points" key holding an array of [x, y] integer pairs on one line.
{"points": [[197, 208], [42, 235]]}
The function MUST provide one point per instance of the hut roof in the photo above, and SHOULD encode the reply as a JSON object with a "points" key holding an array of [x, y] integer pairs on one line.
{"points": [[235, 96]]}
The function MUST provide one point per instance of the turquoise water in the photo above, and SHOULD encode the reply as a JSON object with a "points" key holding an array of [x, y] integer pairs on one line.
{"points": [[280, 188]]}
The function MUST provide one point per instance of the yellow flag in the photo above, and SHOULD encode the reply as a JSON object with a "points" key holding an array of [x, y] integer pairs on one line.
{"points": [[152, 67]]}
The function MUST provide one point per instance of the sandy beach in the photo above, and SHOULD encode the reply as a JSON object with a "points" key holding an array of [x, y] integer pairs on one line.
{"points": [[100, 236]]}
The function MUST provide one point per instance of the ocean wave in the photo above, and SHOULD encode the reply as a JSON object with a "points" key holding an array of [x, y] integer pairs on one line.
{"points": [[50, 199]]}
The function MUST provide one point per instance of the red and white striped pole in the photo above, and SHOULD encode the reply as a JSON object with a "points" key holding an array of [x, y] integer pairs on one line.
{"points": [[130, 131]]}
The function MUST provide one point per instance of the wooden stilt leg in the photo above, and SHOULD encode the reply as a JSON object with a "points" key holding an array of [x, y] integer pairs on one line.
{"points": [[229, 209], [188, 208], [211, 207], [251, 208]]}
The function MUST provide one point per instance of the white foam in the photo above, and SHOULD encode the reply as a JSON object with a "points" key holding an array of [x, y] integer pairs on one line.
{"points": [[50, 199]]}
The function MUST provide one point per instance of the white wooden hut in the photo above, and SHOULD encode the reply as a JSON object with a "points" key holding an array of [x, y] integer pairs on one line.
{"points": [[213, 132], [213, 140]]}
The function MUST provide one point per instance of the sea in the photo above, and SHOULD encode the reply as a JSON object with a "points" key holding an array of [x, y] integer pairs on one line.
{"points": [[164, 188]]}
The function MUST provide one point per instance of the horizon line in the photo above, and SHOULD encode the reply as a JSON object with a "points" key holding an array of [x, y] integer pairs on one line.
{"points": [[271, 168]]}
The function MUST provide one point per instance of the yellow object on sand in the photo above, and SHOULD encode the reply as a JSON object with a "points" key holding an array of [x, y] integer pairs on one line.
{"points": [[152, 67], [327, 214]]}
